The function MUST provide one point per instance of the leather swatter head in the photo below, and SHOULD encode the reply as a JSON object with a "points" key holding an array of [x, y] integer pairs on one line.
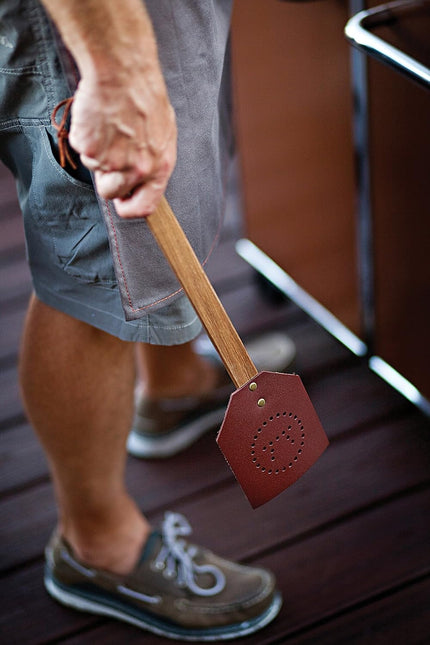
{"points": [[271, 435]]}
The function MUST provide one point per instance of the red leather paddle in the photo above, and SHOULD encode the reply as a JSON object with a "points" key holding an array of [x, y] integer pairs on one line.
{"points": [[271, 433]]}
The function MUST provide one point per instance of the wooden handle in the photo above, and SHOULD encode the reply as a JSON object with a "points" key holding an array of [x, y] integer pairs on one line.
{"points": [[178, 251]]}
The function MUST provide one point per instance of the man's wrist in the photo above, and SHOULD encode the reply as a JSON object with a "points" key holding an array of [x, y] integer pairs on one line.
{"points": [[108, 38]]}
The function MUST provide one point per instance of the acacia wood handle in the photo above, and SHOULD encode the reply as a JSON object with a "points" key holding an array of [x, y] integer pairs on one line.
{"points": [[178, 251]]}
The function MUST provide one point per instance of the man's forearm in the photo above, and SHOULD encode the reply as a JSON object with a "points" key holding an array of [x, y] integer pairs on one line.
{"points": [[123, 125], [105, 36]]}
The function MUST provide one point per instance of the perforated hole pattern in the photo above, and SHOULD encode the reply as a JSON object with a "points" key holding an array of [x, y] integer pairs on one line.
{"points": [[268, 452]]}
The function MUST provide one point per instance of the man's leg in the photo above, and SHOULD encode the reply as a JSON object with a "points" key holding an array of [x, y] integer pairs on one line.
{"points": [[78, 387], [77, 384], [174, 371]]}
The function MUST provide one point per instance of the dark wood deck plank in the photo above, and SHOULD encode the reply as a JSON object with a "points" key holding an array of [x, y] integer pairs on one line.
{"points": [[22, 460], [401, 617], [339, 411], [11, 326], [353, 397], [7, 189], [15, 284], [352, 563], [26, 521], [359, 394], [12, 236], [29, 616], [9, 209], [352, 475], [11, 410]]}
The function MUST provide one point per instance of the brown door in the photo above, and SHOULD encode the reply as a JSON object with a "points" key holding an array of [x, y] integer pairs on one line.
{"points": [[293, 107]]}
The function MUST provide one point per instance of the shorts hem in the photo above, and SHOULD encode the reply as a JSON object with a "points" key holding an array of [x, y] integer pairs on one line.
{"points": [[143, 330]]}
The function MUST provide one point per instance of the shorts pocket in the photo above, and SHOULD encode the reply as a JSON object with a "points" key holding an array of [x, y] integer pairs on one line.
{"points": [[66, 210]]}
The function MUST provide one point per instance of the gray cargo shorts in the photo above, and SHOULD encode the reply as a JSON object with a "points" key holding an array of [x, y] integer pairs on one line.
{"points": [[85, 260]]}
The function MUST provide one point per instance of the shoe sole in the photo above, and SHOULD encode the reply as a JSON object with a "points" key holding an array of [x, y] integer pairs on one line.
{"points": [[170, 444], [90, 604]]}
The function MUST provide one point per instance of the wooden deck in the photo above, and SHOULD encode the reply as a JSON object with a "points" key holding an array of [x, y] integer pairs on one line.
{"points": [[349, 542]]}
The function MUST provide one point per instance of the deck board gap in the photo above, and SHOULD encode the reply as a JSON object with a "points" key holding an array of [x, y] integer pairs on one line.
{"points": [[195, 495], [42, 480], [353, 607], [8, 361], [343, 518], [12, 421], [366, 427], [22, 566], [98, 622], [12, 254]]}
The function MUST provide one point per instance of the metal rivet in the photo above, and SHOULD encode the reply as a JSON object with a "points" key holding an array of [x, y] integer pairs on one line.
{"points": [[253, 386], [261, 403]]}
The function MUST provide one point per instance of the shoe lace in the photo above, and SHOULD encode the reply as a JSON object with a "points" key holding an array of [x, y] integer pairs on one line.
{"points": [[176, 558]]}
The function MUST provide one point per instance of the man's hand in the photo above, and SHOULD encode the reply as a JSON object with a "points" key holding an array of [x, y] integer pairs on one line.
{"points": [[123, 124], [126, 133]]}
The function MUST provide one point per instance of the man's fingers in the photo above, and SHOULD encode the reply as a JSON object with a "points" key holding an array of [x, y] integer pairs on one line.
{"points": [[91, 163], [142, 202], [132, 196], [116, 184]]}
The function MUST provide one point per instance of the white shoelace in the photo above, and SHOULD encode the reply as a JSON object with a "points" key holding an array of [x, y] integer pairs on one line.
{"points": [[176, 558]]}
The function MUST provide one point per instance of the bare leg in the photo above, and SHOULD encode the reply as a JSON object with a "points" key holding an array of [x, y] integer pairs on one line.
{"points": [[174, 371], [77, 385]]}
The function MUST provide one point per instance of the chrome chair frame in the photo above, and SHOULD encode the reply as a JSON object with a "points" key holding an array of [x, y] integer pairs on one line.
{"points": [[358, 32]]}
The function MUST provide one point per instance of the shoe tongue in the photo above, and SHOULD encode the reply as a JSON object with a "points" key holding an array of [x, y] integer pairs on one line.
{"points": [[152, 545]]}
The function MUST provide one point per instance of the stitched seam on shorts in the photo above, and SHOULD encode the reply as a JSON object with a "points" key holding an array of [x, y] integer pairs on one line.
{"points": [[117, 252], [133, 309], [174, 327], [38, 16], [187, 99], [157, 302], [20, 123], [18, 71], [153, 304]]}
